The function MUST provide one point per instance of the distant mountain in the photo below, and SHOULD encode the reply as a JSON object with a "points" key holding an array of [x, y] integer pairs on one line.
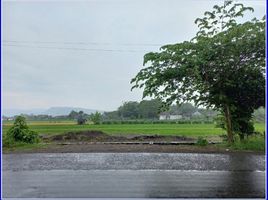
{"points": [[56, 111], [53, 111], [13, 112]]}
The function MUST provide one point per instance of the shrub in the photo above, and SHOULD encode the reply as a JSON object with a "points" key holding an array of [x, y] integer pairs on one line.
{"points": [[20, 132], [253, 143], [196, 122], [7, 141], [81, 120], [208, 122], [106, 122], [201, 141]]}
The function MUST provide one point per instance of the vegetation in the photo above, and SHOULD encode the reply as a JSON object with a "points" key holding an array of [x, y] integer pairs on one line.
{"points": [[81, 120], [252, 143], [222, 67], [148, 110], [190, 130], [156, 122], [95, 118], [167, 128], [201, 141], [20, 132], [22, 146]]}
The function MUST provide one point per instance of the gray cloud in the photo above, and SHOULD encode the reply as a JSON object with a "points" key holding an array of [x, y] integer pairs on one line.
{"points": [[60, 62]]}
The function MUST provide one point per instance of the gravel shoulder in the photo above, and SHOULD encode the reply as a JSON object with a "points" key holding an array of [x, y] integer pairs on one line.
{"points": [[122, 148]]}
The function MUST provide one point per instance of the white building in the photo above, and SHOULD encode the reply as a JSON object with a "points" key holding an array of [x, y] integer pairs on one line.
{"points": [[174, 117], [166, 116]]}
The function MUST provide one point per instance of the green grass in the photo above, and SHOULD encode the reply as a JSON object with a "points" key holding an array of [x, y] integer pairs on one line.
{"points": [[253, 143], [191, 130], [21, 146], [161, 129]]}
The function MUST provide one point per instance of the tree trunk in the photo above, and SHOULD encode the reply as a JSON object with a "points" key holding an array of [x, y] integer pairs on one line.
{"points": [[228, 124]]}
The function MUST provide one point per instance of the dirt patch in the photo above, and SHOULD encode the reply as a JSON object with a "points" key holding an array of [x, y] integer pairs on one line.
{"points": [[78, 136], [99, 136]]}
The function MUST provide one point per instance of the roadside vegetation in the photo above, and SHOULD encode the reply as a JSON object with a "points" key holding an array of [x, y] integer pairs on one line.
{"points": [[19, 133], [252, 143]]}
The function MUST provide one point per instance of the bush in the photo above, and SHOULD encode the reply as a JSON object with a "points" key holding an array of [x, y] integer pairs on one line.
{"points": [[20, 132], [7, 141], [253, 143], [201, 141], [208, 122], [196, 122], [81, 120], [224, 137]]}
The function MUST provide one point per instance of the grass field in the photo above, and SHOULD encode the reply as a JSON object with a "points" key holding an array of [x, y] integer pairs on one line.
{"points": [[191, 130]]}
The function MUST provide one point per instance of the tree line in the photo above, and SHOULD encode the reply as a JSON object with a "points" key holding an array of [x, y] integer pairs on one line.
{"points": [[146, 110]]}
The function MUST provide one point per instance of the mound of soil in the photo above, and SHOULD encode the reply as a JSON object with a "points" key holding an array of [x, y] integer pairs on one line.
{"points": [[89, 136], [99, 136]]}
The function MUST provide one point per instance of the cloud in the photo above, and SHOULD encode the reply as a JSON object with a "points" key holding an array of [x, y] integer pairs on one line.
{"points": [[84, 53]]}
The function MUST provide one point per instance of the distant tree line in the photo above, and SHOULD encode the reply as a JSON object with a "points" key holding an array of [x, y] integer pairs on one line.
{"points": [[140, 112], [151, 110]]}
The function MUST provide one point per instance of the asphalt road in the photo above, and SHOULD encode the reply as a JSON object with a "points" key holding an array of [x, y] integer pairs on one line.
{"points": [[141, 175]]}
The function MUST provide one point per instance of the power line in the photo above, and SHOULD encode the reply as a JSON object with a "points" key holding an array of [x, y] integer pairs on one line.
{"points": [[77, 49], [83, 43]]}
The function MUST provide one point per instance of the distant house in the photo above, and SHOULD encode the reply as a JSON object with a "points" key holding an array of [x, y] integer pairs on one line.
{"points": [[167, 116], [162, 117], [174, 117], [4, 118]]}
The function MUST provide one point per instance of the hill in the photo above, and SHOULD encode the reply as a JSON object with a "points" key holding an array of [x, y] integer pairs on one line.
{"points": [[53, 111]]}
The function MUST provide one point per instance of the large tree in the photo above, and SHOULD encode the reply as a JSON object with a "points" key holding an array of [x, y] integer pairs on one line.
{"points": [[223, 67], [129, 110], [149, 109]]}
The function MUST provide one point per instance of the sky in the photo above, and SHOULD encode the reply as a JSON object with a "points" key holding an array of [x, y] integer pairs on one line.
{"points": [[84, 53]]}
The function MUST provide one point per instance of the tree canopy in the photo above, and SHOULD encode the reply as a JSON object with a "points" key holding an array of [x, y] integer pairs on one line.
{"points": [[222, 67]]}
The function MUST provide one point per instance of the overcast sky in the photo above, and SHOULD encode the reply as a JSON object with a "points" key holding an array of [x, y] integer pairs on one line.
{"points": [[84, 53]]}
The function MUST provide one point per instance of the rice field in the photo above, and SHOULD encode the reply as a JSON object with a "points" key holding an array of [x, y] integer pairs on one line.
{"points": [[191, 130]]}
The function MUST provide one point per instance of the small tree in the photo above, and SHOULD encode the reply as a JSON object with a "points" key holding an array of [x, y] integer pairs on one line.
{"points": [[81, 119], [21, 132], [73, 115], [95, 118]]}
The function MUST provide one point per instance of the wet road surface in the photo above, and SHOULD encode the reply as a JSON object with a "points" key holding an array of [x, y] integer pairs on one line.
{"points": [[134, 175]]}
